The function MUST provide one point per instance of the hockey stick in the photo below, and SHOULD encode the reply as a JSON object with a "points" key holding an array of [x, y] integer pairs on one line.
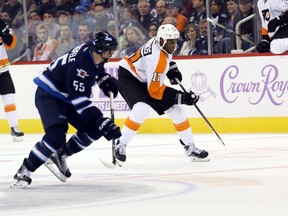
{"points": [[113, 164], [230, 31], [27, 52], [203, 116]]}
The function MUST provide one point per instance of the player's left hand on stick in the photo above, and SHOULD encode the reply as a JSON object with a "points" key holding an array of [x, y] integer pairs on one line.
{"points": [[107, 83], [174, 73], [188, 98], [109, 129]]}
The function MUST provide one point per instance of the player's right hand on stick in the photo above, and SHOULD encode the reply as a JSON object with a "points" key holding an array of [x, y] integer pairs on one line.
{"points": [[188, 98], [109, 129]]}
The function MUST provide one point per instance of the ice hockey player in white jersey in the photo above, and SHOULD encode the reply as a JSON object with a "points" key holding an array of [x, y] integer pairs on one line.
{"points": [[141, 83], [7, 89], [274, 18]]}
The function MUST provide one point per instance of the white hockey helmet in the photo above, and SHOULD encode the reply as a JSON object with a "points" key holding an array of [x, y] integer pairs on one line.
{"points": [[167, 31]]}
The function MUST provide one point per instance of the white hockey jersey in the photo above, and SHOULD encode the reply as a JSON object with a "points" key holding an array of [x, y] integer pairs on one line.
{"points": [[270, 9], [149, 64], [4, 61]]}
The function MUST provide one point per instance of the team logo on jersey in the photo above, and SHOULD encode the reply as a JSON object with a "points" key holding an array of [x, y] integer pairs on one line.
{"points": [[82, 73]]}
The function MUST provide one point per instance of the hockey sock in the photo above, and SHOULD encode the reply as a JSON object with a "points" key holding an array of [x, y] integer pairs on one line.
{"points": [[77, 143]]}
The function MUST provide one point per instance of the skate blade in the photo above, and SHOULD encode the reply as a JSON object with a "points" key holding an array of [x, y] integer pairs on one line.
{"points": [[50, 165], [19, 184], [17, 139], [196, 159]]}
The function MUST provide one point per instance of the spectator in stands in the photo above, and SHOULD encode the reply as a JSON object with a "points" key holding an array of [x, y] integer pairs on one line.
{"points": [[192, 33], [102, 16], [198, 11], [5, 16], [63, 17], [187, 9], [160, 11], [50, 21], [152, 29], [81, 14], [202, 41], [18, 21], [45, 49], [30, 6], [134, 40], [234, 17], [112, 28], [1, 4], [65, 5], [145, 17], [46, 5], [128, 18], [12, 7], [84, 33], [86, 3], [65, 42], [221, 39], [172, 7], [247, 28], [33, 21]]}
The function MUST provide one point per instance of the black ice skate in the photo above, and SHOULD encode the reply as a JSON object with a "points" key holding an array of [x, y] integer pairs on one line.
{"points": [[61, 170], [195, 154], [16, 134], [21, 178], [120, 153]]}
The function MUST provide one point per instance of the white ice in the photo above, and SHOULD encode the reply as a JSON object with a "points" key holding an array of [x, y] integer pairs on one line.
{"points": [[247, 177]]}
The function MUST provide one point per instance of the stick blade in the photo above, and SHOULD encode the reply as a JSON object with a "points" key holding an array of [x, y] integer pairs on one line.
{"points": [[107, 164]]}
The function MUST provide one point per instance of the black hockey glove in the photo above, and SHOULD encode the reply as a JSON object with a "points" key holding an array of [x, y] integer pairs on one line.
{"points": [[263, 46], [188, 98], [4, 28], [278, 21], [174, 73], [107, 83], [109, 129]]}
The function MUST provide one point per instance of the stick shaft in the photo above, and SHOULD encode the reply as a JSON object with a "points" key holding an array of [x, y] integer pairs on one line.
{"points": [[113, 120], [201, 113]]}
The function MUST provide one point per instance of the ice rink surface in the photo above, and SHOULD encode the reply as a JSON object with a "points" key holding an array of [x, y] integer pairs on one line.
{"points": [[247, 177]]}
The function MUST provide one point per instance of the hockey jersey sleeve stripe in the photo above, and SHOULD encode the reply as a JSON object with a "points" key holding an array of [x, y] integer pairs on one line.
{"points": [[45, 84], [155, 89], [133, 59], [182, 126]]}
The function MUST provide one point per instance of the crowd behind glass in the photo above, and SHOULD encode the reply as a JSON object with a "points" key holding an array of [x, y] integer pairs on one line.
{"points": [[49, 28]]}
